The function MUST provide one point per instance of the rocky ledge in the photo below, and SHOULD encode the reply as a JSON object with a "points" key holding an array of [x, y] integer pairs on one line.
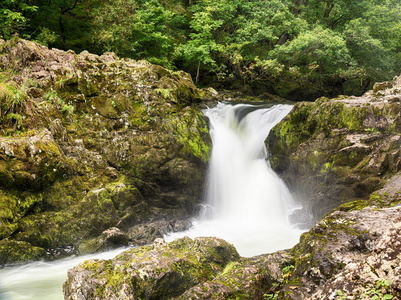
{"points": [[91, 143], [352, 253]]}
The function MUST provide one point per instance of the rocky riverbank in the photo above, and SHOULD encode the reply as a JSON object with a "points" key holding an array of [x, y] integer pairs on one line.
{"points": [[338, 154], [91, 146]]}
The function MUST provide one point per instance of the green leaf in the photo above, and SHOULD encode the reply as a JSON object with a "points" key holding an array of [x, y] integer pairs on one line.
{"points": [[387, 282]]}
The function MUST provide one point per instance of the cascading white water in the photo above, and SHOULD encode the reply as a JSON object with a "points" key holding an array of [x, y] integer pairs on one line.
{"points": [[246, 202]]}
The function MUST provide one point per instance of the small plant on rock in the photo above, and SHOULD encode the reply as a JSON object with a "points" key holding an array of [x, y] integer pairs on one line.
{"points": [[380, 292]]}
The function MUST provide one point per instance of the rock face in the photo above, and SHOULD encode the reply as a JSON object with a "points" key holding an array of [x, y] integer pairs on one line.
{"points": [[334, 151], [92, 142], [341, 153], [349, 255]]}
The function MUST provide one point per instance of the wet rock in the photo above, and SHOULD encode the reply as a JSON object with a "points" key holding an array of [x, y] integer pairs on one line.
{"points": [[109, 239], [351, 252], [19, 251], [145, 234]]}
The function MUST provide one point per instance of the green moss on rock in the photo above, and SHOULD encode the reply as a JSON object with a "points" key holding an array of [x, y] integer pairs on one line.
{"points": [[19, 251], [103, 142], [160, 271]]}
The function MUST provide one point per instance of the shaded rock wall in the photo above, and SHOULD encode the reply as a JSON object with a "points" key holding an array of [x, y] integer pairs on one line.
{"points": [[92, 142]]}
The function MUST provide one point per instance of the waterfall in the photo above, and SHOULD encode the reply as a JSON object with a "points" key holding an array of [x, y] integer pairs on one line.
{"points": [[246, 202]]}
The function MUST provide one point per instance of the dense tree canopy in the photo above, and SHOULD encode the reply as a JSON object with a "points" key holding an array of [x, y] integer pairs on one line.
{"points": [[293, 48]]}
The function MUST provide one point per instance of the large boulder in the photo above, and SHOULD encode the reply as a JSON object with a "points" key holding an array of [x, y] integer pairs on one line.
{"points": [[90, 142], [160, 271], [334, 151]]}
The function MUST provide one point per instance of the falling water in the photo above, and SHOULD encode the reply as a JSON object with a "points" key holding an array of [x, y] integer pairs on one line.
{"points": [[246, 202]]}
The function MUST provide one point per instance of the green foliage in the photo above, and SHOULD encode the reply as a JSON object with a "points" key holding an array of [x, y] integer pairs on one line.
{"points": [[46, 37], [138, 29], [69, 109], [379, 292], [15, 118], [53, 97], [340, 295], [294, 49], [12, 17], [12, 97]]}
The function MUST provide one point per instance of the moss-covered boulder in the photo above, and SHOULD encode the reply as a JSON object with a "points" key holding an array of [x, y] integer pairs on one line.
{"points": [[160, 271], [333, 151], [92, 142]]}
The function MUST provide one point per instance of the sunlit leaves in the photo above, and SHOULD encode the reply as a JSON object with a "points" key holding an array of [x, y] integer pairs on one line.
{"points": [[12, 16], [318, 50]]}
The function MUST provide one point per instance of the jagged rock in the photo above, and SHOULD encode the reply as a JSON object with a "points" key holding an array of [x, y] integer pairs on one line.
{"points": [[350, 255], [91, 142], [337, 150]]}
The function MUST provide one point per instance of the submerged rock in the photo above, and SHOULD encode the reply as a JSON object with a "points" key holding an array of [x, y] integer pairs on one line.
{"points": [[91, 142]]}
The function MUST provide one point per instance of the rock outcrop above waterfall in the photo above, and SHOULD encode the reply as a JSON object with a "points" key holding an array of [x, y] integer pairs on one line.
{"points": [[88, 143], [333, 151]]}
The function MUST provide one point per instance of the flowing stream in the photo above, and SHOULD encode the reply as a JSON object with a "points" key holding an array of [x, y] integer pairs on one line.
{"points": [[246, 202], [42, 280]]}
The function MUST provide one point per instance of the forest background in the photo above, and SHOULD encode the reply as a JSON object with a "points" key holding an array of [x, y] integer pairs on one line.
{"points": [[296, 49]]}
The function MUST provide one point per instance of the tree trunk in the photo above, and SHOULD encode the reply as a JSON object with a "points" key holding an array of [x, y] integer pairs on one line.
{"points": [[62, 31], [197, 74]]}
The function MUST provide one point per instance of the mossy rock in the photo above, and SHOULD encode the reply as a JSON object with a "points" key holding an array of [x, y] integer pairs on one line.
{"points": [[336, 150], [95, 133], [19, 251], [160, 271]]}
